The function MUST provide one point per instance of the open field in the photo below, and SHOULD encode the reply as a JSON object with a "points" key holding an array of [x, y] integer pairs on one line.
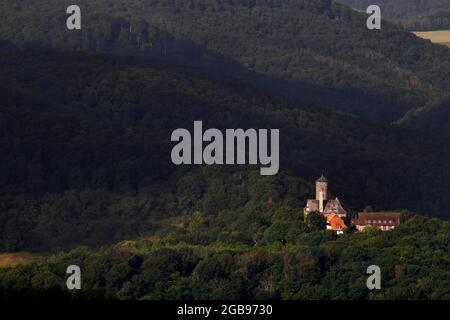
{"points": [[13, 259], [440, 37]]}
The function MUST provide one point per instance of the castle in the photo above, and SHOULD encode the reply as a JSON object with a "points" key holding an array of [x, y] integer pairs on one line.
{"points": [[322, 204], [331, 208], [335, 214]]}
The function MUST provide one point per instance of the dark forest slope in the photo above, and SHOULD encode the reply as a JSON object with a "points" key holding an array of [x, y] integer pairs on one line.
{"points": [[86, 147], [314, 51], [434, 117]]}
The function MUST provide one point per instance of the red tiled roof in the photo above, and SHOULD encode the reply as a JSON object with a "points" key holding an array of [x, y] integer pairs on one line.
{"points": [[385, 218], [335, 222]]}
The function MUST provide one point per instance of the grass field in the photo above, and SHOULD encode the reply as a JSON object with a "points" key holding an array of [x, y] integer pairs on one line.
{"points": [[440, 37], [13, 259]]}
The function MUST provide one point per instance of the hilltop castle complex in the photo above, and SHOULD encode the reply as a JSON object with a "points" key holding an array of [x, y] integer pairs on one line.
{"points": [[321, 203], [335, 214]]}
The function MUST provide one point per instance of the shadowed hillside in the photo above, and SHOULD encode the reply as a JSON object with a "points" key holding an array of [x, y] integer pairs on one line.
{"points": [[86, 143], [87, 179], [313, 51]]}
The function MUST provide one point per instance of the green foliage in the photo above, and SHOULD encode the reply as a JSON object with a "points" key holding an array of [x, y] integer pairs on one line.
{"points": [[438, 21], [401, 9], [86, 159], [413, 15], [433, 117], [315, 221], [414, 260], [313, 51], [85, 142]]}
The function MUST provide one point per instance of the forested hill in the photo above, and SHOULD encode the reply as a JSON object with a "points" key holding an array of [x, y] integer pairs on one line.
{"points": [[289, 261], [314, 51], [85, 158], [85, 126], [402, 9]]}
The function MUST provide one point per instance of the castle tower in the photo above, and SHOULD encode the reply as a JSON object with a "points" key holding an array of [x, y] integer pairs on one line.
{"points": [[321, 191]]}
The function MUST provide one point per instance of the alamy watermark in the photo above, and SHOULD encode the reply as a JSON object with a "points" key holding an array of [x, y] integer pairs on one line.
{"points": [[74, 280], [374, 280], [374, 21], [74, 20], [236, 146]]}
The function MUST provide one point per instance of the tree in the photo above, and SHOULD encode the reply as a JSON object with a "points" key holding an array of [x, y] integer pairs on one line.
{"points": [[315, 221]]}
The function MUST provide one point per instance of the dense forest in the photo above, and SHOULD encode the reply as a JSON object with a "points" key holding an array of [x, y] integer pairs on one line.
{"points": [[86, 176], [438, 21], [292, 260], [402, 9], [433, 117], [411, 14], [314, 51], [86, 143]]}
